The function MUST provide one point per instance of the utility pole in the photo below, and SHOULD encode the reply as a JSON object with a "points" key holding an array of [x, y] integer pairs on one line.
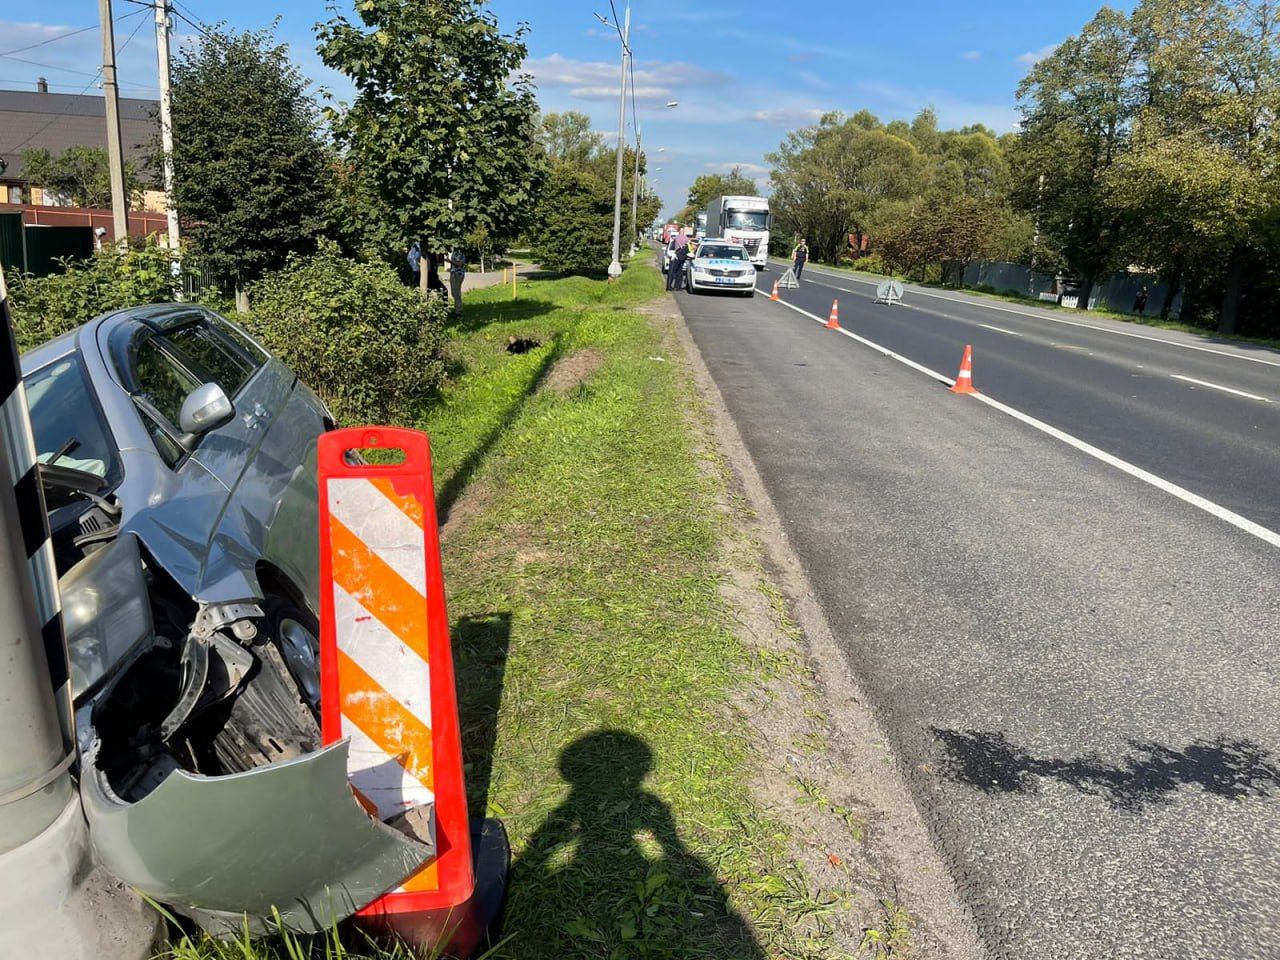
{"points": [[615, 268], [115, 153], [166, 120], [635, 183]]}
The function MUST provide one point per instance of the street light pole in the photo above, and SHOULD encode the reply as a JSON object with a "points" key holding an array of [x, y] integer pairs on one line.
{"points": [[115, 152], [635, 184], [615, 267]]}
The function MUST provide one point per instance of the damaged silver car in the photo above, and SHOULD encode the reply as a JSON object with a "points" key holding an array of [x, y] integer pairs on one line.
{"points": [[178, 462]]}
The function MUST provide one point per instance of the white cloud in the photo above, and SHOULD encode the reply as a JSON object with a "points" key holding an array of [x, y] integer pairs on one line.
{"points": [[787, 116], [655, 80], [972, 55], [1032, 57], [748, 169]]}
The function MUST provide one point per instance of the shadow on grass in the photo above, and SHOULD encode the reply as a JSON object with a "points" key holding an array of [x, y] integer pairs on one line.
{"points": [[607, 874], [1150, 774], [480, 645], [458, 480]]}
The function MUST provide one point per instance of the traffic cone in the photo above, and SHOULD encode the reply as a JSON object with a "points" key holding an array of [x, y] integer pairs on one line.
{"points": [[964, 379], [833, 321], [774, 295]]}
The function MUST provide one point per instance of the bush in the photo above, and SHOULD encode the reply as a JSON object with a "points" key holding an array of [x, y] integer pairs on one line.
{"points": [[574, 232], [44, 307], [366, 343], [871, 264]]}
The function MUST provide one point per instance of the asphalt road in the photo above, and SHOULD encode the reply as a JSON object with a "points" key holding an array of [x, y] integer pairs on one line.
{"points": [[1078, 672]]}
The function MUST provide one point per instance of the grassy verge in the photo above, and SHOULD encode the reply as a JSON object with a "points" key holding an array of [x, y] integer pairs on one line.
{"points": [[1144, 321], [596, 654]]}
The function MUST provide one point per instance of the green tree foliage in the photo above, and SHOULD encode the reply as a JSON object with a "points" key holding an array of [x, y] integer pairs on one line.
{"points": [[80, 174], [44, 307], [574, 231], [366, 343], [707, 187], [249, 161], [568, 138], [441, 122]]}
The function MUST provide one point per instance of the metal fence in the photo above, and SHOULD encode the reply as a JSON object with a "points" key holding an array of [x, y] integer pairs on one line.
{"points": [[1118, 292]]}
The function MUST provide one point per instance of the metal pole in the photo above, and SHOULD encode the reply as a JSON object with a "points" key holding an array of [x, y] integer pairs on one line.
{"points": [[166, 119], [635, 185], [115, 153], [55, 902], [615, 268]]}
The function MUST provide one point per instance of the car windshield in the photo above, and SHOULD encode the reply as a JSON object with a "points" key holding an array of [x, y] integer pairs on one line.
{"points": [[717, 251], [68, 426], [747, 219]]}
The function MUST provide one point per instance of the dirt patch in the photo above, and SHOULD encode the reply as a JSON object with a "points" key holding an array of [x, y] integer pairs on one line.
{"points": [[825, 770], [568, 372], [475, 498]]}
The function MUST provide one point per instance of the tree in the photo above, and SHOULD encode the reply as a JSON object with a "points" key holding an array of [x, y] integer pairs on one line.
{"points": [[250, 166], [441, 121], [574, 231], [80, 174], [839, 176], [711, 185], [1078, 106], [568, 137]]}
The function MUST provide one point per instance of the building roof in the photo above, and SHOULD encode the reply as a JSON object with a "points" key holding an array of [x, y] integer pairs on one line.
{"points": [[55, 121]]}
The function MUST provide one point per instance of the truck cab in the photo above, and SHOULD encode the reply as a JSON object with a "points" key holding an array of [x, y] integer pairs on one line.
{"points": [[743, 220]]}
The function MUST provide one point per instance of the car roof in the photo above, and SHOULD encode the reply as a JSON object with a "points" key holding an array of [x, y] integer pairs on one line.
{"points": [[156, 313]]}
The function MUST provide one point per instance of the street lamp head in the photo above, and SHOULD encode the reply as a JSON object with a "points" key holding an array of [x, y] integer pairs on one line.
{"points": [[604, 20], [673, 103]]}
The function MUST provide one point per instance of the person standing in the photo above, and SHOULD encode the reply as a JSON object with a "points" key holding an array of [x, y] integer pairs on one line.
{"points": [[799, 257], [677, 266], [1140, 301], [457, 272], [415, 262], [433, 273]]}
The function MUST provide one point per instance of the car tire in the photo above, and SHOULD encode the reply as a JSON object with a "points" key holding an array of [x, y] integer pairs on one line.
{"points": [[295, 632]]}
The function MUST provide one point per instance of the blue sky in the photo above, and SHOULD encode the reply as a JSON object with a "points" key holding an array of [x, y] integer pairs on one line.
{"points": [[744, 74]]}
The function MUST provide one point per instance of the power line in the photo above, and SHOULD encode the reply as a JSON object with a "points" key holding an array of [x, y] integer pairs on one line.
{"points": [[53, 66], [69, 33], [75, 99]]}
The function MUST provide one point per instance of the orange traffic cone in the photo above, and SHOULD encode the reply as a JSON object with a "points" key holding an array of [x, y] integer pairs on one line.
{"points": [[964, 379], [833, 321], [774, 295]]}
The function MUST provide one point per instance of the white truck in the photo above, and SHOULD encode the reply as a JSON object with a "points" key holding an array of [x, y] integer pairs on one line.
{"points": [[700, 225], [744, 220]]}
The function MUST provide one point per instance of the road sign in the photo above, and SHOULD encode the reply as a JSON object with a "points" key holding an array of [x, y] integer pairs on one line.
{"points": [[788, 279], [889, 291]]}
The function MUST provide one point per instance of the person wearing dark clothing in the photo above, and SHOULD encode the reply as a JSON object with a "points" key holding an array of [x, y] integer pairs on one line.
{"points": [[1140, 301], [677, 266], [433, 273], [799, 257]]}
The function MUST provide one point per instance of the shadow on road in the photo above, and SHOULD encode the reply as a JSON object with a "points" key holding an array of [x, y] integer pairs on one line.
{"points": [[607, 875], [1150, 774]]}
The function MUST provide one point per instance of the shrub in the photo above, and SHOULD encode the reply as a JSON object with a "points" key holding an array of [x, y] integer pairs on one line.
{"points": [[44, 307], [871, 264], [366, 343], [574, 232]]}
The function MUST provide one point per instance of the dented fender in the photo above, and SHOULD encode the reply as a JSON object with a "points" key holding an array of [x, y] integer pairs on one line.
{"points": [[287, 836]]}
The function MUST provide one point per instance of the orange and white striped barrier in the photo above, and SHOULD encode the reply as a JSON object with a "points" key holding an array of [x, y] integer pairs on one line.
{"points": [[833, 321], [964, 379], [387, 680]]}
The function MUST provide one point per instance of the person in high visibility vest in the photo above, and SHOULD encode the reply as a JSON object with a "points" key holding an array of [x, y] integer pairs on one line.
{"points": [[799, 257]]}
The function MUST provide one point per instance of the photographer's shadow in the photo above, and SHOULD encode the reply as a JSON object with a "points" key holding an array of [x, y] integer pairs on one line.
{"points": [[606, 875]]}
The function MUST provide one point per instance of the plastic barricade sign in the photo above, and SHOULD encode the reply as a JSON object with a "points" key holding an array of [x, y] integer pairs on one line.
{"points": [[385, 660]]}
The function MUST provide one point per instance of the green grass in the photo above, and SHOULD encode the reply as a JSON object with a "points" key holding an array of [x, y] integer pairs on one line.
{"points": [[1012, 297], [595, 655]]}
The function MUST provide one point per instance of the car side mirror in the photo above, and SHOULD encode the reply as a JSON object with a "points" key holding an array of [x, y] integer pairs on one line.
{"points": [[206, 408]]}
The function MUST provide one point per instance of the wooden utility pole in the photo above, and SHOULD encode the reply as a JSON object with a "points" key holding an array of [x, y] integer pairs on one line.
{"points": [[166, 119], [115, 153]]}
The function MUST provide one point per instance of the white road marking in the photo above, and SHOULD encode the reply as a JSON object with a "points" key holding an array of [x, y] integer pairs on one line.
{"points": [[1075, 323], [996, 329], [1166, 486], [1218, 386]]}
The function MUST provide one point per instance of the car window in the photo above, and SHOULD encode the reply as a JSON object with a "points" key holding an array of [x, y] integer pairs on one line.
{"points": [[66, 419], [161, 380], [721, 253], [248, 348], [211, 357]]}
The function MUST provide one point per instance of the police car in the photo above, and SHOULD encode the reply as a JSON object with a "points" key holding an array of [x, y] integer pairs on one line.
{"points": [[721, 265]]}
